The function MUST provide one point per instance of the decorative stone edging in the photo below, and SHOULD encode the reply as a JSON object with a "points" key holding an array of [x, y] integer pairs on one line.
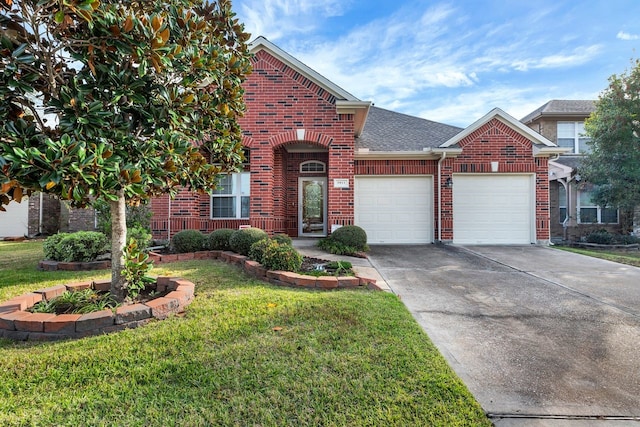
{"points": [[19, 324], [255, 269], [281, 278]]}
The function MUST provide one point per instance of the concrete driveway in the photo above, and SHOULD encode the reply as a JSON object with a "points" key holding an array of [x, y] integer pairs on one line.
{"points": [[540, 336]]}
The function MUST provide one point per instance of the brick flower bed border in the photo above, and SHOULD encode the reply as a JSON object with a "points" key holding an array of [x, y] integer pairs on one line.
{"points": [[281, 278], [19, 324]]}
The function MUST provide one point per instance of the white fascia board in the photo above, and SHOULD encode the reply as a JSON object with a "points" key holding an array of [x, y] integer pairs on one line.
{"points": [[505, 118], [360, 110], [549, 151], [261, 43]]}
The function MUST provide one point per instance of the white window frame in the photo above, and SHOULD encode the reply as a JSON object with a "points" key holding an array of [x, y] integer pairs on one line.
{"points": [[561, 190], [598, 208], [236, 193], [578, 133], [313, 166]]}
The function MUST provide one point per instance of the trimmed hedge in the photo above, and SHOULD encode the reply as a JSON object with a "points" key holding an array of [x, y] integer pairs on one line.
{"points": [[281, 257], [81, 246], [241, 240], [187, 241], [218, 240]]}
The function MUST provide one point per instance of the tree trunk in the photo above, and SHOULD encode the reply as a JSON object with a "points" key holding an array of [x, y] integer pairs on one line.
{"points": [[118, 242]]}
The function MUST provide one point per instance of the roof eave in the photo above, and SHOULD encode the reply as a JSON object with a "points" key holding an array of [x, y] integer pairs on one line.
{"points": [[549, 151], [427, 153], [360, 111]]}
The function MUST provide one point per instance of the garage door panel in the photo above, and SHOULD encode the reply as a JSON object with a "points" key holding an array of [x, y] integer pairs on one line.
{"points": [[493, 209], [394, 209]]}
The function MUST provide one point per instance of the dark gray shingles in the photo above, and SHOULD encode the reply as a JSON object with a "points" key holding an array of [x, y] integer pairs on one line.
{"points": [[390, 131], [559, 107], [573, 162]]}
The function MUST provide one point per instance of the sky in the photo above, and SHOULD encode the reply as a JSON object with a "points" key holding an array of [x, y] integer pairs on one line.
{"points": [[454, 61]]}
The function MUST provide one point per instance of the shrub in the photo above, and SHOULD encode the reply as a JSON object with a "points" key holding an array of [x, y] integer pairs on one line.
{"points": [[218, 240], [137, 216], [241, 240], [601, 237], [82, 246], [351, 236], [136, 267], [281, 257], [258, 249], [187, 241], [628, 239], [283, 239], [141, 235]]}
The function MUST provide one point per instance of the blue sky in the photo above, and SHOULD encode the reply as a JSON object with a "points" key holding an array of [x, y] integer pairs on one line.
{"points": [[454, 61]]}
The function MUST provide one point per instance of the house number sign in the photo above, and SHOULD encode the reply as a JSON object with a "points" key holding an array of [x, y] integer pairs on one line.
{"points": [[341, 183]]}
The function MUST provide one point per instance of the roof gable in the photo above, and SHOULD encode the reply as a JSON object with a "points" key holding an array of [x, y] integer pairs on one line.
{"points": [[508, 120], [345, 102]]}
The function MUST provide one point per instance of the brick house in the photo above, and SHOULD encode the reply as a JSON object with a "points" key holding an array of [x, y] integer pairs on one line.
{"points": [[44, 214], [319, 158], [573, 214]]}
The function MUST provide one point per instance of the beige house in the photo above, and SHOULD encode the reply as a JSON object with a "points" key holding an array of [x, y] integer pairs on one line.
{"points": [[573, 214]]}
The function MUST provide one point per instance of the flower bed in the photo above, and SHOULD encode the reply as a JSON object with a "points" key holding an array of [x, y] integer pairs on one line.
{"points": [[19, 324]]}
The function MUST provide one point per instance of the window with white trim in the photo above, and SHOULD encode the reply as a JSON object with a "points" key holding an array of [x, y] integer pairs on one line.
{"points": [[312, 166], [231, 199], [572, 135], [590, 213], [562, 203]]}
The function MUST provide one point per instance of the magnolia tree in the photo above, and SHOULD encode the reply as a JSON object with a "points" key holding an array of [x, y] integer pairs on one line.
{"points": [[105, 99], [613, 165]]}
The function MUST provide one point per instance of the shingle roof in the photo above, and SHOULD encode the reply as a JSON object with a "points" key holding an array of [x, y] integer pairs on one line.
{"points": [[562, 107], [390, 131], [573, 162]]}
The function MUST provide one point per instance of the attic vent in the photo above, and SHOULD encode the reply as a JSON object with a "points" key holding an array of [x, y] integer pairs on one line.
{"points": [[312, 166]]}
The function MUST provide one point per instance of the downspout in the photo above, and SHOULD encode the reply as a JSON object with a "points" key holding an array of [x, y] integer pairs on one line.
{"points": [[40, 214], [444, 155], [169, 221]]}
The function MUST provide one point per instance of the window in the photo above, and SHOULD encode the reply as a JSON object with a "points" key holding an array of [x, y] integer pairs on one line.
{"points": [[590, 213], [312, 166], [231, 198], [562, 203], [572, 135]]}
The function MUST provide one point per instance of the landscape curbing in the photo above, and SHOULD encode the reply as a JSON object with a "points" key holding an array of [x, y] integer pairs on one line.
{"points": [[18, 324]]}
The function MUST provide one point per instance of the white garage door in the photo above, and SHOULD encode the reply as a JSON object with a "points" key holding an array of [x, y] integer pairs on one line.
{"points": [[13, 222], [395, 209], [493, 209]]}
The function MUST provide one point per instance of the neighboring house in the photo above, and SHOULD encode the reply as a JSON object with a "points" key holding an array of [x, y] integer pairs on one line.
{"points": [[319, 158], [43, 214], [573, 213]]}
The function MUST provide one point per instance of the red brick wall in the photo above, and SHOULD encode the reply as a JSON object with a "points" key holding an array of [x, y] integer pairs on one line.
{"points": [[279, 102], [496, 141]]}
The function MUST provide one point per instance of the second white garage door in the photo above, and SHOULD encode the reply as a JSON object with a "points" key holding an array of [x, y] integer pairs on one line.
{"points": [[395, 210], [493, 209]]}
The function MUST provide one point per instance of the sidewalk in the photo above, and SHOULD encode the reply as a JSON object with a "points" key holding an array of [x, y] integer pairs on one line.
{"points": [[361, 266]]}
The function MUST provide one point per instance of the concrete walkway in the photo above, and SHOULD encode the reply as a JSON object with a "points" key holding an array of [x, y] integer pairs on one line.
{"points": [[541, 337]]}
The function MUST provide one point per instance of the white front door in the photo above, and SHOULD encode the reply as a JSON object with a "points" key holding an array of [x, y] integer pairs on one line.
{"points": [[312, 207]]}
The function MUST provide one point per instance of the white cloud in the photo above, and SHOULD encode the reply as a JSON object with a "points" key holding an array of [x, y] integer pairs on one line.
{"points": [[626, 36], [276, 19]]}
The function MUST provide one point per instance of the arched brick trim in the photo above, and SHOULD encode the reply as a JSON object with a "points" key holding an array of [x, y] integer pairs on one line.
{"points": [[247, 141], [291, 137]]}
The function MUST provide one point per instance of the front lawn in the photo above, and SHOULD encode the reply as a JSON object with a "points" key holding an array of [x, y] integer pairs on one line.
{"points": [[615, 255], [245, 353]]}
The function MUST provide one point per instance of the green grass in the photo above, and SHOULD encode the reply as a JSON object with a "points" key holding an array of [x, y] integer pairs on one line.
{"points": [[244, 354], [622, 257]]}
